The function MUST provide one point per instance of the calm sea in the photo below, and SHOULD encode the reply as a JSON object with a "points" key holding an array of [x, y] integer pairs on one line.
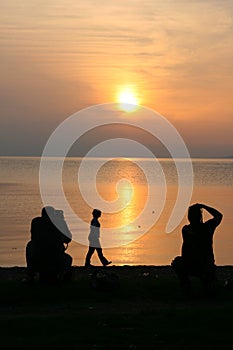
{"points": [[21, 201]]}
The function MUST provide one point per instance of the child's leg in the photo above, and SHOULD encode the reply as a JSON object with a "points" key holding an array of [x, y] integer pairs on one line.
{"points": [[89, 255], [103, 260]]}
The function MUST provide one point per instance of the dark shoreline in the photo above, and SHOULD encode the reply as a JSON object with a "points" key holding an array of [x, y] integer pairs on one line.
{"points": [[129, 271], [147, 310]]}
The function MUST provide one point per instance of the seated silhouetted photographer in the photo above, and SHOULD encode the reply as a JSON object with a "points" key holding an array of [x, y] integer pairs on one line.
{"points": [[45, 252]]}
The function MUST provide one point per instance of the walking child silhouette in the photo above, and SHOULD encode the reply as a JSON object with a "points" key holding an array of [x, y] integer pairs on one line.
{"points": [[94, 240]]}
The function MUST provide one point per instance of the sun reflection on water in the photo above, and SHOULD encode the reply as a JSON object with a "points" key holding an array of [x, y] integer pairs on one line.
{"points": [[122, 181]]}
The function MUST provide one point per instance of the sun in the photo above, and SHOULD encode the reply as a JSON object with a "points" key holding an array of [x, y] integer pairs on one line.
{"points": [[128, 100]]}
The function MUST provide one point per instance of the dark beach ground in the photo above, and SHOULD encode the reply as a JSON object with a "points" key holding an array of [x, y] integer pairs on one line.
{"points": [[126, 271], [146, 311]]}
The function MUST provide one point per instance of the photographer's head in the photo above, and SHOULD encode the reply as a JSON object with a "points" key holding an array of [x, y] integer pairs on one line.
{"points": [[195, 214]]}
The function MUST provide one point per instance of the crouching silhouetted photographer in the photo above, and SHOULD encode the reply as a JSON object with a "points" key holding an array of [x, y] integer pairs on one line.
{"points": [[45, 252]]}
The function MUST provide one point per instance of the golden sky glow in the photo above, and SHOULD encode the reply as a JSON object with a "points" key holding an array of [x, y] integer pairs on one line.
{"points": [[58, 57]]}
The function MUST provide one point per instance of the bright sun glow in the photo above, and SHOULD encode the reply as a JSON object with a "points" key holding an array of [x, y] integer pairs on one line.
{"points": [[128, 100]]}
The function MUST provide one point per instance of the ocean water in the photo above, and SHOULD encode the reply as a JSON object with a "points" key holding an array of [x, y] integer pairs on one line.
{"points": [[123, 180]]}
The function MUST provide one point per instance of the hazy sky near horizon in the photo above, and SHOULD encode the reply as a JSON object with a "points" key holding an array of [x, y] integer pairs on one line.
{"points": [[58, 57]]}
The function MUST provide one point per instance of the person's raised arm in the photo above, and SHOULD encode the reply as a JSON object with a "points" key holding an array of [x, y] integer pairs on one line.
{"points": [[214, 212]]}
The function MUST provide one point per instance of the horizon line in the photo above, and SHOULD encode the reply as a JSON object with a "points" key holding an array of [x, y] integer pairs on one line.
{"points": [[123, 157]]}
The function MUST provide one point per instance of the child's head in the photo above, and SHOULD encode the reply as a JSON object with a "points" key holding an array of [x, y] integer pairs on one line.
{"points": [[96, 213]]}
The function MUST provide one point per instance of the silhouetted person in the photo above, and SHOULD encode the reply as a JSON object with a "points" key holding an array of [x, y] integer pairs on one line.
{"points": [[94, 240], [45, 253], [197, 256]]}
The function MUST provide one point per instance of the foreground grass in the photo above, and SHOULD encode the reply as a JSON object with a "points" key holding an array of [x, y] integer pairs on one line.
{"points": [[144, 313]]}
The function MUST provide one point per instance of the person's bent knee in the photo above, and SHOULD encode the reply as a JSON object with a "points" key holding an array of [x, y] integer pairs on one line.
{"points": [[68, 260], [178, 264]]}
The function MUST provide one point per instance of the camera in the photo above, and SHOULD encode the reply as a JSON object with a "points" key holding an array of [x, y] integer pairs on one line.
{"points": [[59, 214]]}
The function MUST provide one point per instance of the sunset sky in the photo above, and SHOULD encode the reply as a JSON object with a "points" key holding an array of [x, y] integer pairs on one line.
{"points": [[58, 57]]}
